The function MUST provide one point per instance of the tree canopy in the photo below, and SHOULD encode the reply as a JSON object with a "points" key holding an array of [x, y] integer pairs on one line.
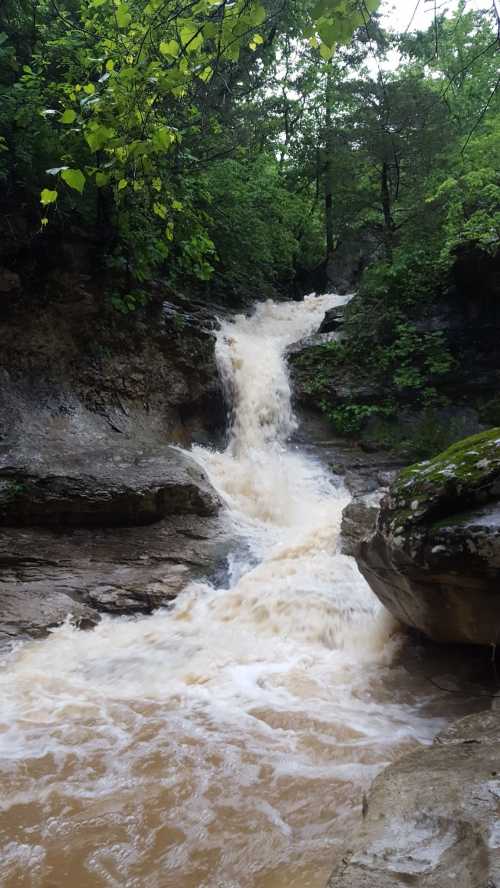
{"points": [[233, 144]]}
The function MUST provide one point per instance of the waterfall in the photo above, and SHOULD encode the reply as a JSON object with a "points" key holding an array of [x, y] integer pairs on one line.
{"points": [[225, 742]]}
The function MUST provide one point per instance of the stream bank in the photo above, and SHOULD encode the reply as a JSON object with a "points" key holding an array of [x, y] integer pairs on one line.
{"points": [[431, 818], [89, 404]]}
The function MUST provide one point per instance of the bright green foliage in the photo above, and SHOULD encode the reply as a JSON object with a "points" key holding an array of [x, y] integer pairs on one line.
{"points": [[128, 102], [469, 202], [47, 197], [74, 178]]}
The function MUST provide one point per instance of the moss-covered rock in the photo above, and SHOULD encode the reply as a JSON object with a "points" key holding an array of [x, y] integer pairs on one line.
{"points": [[464, 476], [434, 560]]}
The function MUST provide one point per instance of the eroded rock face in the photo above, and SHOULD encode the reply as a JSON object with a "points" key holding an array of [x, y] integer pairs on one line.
{"points": [[359, 520], [64, 354], [89, 404], [431, 819], [333, 320], [47, 575], [103, 488], [435, 558], [75, 496]]}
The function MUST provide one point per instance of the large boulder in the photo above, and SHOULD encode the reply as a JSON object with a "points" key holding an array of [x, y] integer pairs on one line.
{"points": [[434, 560], [74, 541], [47, 576], [104, 488], [431, 818]]}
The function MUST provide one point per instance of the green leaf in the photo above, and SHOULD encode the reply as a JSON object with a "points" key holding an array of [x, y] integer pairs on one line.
{"points": [[101, 179], [258, 15], [169, 48], [75, 179], [328, 33], [47, 197], [206, 74], [123, 16], [257, 39], [122, 184], [97, 137], [191, 37], [89, 88], [160, 210], [69, 116], [163, 138]]}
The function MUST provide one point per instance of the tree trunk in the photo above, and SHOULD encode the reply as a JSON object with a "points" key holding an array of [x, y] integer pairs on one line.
{"points": [[385, 194], [329, 150]]}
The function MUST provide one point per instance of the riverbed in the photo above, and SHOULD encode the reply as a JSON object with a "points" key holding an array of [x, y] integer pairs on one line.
{"points": [[227, 741]]}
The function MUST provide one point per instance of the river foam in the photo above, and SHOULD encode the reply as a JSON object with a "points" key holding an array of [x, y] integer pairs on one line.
{"points": [[226, 742]]}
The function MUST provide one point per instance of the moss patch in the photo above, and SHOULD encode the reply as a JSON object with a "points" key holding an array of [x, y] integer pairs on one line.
{"points": [[464, 476], [464, 461]]}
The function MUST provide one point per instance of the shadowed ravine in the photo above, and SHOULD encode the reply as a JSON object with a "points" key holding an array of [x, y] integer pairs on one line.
{"points": [[226, 742]]}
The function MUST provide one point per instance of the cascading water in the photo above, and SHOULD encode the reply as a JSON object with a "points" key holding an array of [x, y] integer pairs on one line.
{"points": [[224, 743]]}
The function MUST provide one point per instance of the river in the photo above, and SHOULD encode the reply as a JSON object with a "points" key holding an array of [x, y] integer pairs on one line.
{"points": [[226, 742]]}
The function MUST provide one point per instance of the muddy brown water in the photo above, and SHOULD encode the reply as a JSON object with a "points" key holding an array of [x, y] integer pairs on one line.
{"points": [[227, 742]]}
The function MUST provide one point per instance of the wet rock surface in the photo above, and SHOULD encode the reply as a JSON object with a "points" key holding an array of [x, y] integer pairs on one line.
{"points": [[46, 576], [75, 472], [89, 404], [359, 520], [363, 471], [333, 320], [435, 558], [68, 355], [102, 486], [432, 818]]}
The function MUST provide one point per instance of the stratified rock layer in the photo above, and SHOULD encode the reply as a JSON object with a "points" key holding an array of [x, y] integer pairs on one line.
{"points": [[431, 819], [47, 575], [89, 404], [435, 558], [103, 488]]}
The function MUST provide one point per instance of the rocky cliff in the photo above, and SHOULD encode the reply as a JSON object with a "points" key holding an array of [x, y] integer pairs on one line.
{"points": [[90, 401]]}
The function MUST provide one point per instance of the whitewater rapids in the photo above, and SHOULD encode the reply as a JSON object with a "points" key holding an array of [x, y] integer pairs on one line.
{"points": [[226, 742]]}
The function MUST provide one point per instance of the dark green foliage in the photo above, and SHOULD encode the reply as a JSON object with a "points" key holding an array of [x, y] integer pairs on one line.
{"points": [[425, 156], [142, 123]]}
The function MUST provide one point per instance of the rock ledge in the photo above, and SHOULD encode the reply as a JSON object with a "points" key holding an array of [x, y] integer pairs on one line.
{"points": [[434, 560], [431, 818]]}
